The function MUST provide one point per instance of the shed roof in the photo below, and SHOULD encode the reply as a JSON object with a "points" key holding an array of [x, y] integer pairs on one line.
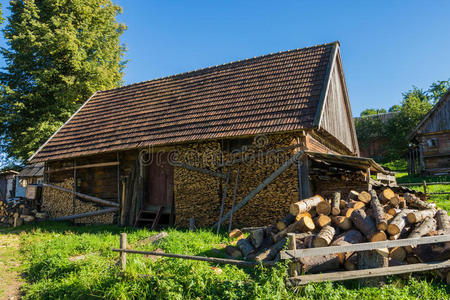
{"points": [[32, 170], [272, 93]]}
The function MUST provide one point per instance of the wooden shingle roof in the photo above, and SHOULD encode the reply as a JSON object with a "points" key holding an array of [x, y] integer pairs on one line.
{"points": [[272, 93]]}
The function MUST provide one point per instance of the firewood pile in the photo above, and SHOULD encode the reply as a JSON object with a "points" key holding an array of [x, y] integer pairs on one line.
{"points": [[343, 219], [59, 204], [18, 212]]}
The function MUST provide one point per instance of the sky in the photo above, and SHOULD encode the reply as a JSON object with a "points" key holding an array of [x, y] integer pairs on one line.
{"points": [[386, 46]]}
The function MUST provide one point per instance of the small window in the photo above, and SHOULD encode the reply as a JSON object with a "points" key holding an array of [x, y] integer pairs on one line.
{"points": [[432, 143], [23, 182]]}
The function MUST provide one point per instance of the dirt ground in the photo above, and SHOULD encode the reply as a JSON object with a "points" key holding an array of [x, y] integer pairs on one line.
{"points": [[10, 279]]}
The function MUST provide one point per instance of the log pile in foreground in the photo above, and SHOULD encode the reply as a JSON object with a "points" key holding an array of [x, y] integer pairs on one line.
{"points": [[368, 216], [18, 212]]}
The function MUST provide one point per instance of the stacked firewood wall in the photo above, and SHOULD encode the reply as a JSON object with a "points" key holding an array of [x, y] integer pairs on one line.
{"points": [[197, 195]]}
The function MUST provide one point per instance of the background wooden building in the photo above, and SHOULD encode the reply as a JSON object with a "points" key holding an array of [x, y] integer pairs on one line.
{"points": [[7, 184], [429, 151], [196, 144]]}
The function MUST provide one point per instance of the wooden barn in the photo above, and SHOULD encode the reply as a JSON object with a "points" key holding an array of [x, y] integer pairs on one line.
{"points": [[429, 152], [7, 184], [238, 137]]}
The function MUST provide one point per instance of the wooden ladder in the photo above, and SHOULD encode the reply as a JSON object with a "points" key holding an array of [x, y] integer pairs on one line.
{"points": [[141, 217]]}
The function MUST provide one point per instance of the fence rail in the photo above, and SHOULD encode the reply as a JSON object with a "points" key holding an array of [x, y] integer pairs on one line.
{"points": [[425, 184]]}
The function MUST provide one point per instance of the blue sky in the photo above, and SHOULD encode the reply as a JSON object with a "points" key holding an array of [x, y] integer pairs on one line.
{"points": [[387, 46]]}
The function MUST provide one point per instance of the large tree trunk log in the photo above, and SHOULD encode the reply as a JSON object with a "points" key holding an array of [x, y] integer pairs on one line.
{"points": [[272, 252], [420, 215], [443, 220], [415, 201], [324, 237], [245, 246], [349, 237], [285, 222], [368, 260], [366, 225], [397, 224], [317, 264], [335, 204], [305, 205], [342, 222], [378, 211], [428, 225]]}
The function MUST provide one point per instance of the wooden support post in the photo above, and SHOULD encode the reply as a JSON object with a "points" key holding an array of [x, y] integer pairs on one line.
{"points": [[234, 199], [74, 185], [299, 177], [295, 265], [425, 189], [123, 255]]}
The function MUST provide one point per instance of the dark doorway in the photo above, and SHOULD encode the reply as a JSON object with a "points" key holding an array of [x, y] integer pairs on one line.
{"points": [[160, 186]]}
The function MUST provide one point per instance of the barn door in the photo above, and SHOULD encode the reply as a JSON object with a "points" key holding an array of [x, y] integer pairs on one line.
{"points": [[160, 186]]}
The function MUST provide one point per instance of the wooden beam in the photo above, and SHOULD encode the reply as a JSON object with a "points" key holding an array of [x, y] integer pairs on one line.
{"points": [[265, 183], [204, 171], [105, 164], [224, 197], [236, 182], [87, 214], [298, 253], [84, 196], [375, 272], [200, 258]]}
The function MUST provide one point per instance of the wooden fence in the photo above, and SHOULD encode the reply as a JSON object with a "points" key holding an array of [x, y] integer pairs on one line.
{"points": [[293, 253], [425, 185]]}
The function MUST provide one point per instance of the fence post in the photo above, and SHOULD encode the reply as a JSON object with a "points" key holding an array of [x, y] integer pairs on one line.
{"points": [[295, 265], [425, 188], [123, 255]]}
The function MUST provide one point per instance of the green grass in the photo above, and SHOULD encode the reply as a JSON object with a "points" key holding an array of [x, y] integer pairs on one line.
{"points": [[51, 274]]}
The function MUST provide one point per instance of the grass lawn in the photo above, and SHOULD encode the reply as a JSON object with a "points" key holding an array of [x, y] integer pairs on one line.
{"points": [[62, 261]]}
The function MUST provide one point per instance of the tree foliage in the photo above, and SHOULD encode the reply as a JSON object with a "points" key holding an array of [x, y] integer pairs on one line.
{"points": [[59, 52], [416, 103]]}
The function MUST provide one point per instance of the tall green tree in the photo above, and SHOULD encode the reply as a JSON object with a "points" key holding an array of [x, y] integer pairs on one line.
{"points": [[59, 53]]}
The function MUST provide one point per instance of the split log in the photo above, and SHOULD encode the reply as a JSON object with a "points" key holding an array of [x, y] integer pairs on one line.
{"points": [[335, 204], [349, 237], [324, 237], [364, 197], [388, 217], [386, 195], [323, 208], [304, 224], [285, 222], [415, 201], [395, 201], [245, 247], [356, 205], [428, 225], [398, 254], [342, 222], [397, 224], [352, 195], [402, 203], [305, 205], [257, 237], [342, 204], [420, 215], [394, 211], [272, 252], [378, 211], [236, 234], [322, 221], [443, 220], [351, 262], [233, 251], [348, 212], [300, 216], [383, 252], [405, 231], [366, 225]]}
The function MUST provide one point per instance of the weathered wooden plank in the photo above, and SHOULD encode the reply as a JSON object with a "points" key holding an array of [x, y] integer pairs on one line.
{"points": [[97, 165], [367, 273], [265, 182], [298, 253], [200, 258], [87, 214], [84, 196]]}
